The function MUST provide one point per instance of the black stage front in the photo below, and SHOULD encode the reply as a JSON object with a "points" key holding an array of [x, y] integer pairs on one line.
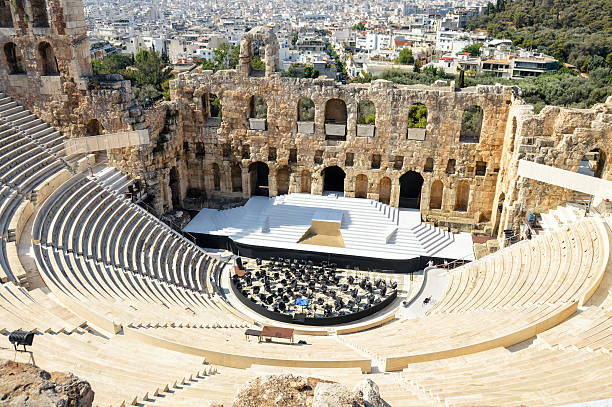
{"points": [[343, 261], [323, 321]]}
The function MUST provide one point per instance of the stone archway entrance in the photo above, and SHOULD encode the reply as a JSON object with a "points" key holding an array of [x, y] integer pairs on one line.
{"points": [[333, 179], [258, 174], [410, 190]]}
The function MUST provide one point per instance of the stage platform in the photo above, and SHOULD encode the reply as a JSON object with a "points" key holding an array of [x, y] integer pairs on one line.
{"points": [[368, 229]]}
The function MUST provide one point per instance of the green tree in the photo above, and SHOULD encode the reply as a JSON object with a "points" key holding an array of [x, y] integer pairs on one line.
{"points": [[257, 64], [360, 26], [417, 116], [310, 72], [473, 49], [220, 56], [405, 57], [112, 64], [461, 82], [294, 38], [234, 57]]}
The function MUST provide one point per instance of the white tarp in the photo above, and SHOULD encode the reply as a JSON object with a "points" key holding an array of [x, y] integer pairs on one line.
{"points": [[106, 141], [565, 179]]}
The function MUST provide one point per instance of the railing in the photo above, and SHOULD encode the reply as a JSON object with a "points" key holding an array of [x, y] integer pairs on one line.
{"points": [[454, 264]]}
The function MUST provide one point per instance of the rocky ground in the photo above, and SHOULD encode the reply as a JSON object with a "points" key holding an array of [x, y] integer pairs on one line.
{"points": [[297, 391], [24, 385]]}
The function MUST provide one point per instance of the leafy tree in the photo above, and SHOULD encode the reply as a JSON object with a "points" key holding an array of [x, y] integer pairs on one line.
{"points": [[215, 105], [310, 72], [206, 64], [364, 77], [473, 49], [257, 64], [360, 26], [405, 57], [294, 38], [112, 64], [461, 82], [306, 110], [234, 57], [260, 107], [220, 56], [366, 112], [291, 72], [417, 116]]}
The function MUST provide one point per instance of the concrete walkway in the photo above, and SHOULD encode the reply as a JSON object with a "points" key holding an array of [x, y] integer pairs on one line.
{"points": [[433, 287]]}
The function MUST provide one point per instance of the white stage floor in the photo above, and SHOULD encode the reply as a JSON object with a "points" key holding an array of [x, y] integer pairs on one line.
{"points": [[369, 228]]}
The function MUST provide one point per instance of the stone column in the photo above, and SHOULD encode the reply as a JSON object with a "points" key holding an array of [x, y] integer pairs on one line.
{"points": [[395, 192], [246, 182], [272, 186], [225, 177]]}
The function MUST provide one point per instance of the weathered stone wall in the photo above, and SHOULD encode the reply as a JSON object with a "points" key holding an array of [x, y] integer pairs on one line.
{"points": [[559, 137], [224, 147], [69, 98]]}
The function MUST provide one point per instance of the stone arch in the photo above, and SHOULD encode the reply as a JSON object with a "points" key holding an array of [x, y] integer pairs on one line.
{"points": [[366, 112], [305, 182], [214, 105], [258, 175], [40, 17], [282, 180], [93, 128], [471, 124], [417, 116], [335, 119], [6, 18], [236, 173], [411, 183], [46, 59], [361, 186], [384, 190], [305, 110], [216, 177], [258, 107], [333, 178], [435, 195], [335, 111], [462, 198], [14, 59], [174, 182], [266, 36], [594, 163]]}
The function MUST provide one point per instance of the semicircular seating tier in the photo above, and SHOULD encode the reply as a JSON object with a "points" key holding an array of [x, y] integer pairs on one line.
{"points": [[501, 299]]}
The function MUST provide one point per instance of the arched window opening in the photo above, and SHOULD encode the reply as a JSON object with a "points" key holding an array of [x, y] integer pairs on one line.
{"points": [[94, 128], [14, 59], [335, 119], [258, 113], [40, 17], [214, 106], [366, 118], [435, 195], [47, 60], [417, 122], [361, 186], [384, 190], [429, 165], [236, 178], [246, 152], [306, 110], [463, 196], [471, 124], [305, 114]]}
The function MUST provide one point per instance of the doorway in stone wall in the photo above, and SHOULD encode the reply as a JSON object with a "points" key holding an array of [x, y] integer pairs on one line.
{"points": [[410, 190], [258, 174], [175, 187], [333, 179]]}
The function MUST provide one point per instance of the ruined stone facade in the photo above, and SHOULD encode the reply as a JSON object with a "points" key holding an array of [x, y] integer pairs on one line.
{"points": [[466, 181]]}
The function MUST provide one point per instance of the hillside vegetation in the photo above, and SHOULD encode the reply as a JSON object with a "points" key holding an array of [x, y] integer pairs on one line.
{"points": [[578, 32]]}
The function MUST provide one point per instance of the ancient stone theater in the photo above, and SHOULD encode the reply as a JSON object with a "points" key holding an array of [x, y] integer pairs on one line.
{"points": [[449, 244]]}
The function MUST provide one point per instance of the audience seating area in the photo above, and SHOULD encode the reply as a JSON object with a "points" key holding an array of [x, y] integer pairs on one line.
{"points": [[129, 305]]}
